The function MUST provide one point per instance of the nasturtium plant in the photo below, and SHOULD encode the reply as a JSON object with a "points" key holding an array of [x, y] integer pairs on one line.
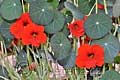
{"points": [[111, 47], [98, 25], [59, 39], [11, 9], [60, 45]]}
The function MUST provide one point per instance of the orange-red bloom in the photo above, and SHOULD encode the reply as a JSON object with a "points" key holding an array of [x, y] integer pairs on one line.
{"points": [[101, 6], [76, 28], [17, 28], [34, 35], [90, 56]]}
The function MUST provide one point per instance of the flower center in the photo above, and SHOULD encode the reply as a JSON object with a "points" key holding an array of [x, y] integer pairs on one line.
{"points": [[34, 34], [25, 23], [91, 55], [75, 26]]}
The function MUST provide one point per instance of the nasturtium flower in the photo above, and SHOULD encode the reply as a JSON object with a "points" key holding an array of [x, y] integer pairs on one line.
{"points": [[77, 28], [100, 6], [18, 26], [33, 35], [90, 56]]}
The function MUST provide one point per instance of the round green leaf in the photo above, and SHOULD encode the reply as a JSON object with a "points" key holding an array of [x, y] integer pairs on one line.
{"points": [[111, 47], [11, 9], [60, 45], [57, 24], [111, 75], [98, 25], [41, 12]]}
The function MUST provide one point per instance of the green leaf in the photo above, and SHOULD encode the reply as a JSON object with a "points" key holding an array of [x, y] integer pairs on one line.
{"points": [[54, 3], [60, 45], [98, 25], [41, 12], [5, 33], [65, 31], [116, 7], [111, 75], [69, 61], [1, 2], [11, 9], [57, 24], [30, 1], [85, 5], [68, 17], [109, 2], [3, 72], [75, 11], [4, 30], [117, 60], [111, 47]]}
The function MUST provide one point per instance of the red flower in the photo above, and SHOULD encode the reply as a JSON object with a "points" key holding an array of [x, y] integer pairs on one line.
{"points": [[17, 28], [32, 66], [90, 56], [100, 6], [34, 35], [76, 28]]}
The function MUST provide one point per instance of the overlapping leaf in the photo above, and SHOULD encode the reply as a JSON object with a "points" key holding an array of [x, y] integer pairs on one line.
{"points": [[41, 12], [98, 25], [111, 75], [60, 45], [116, 7], [85, 5], [11, 9], [5, 33], [111, 47], [57, 24], [75, 11], [69, 61]]}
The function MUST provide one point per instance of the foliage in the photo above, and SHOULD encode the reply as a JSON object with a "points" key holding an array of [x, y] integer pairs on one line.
{"points": [[101, 26]]}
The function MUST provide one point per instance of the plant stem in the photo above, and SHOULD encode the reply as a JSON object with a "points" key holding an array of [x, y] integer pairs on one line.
{"points": [[91, 10], [23, 7], [96, 6], [103, 70], [105, 6]]}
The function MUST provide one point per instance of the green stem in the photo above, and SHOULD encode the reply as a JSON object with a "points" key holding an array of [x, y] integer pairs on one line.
{"points": [[110, 66], [23, 7], [96, 6], [103, 70], [105, 6], [91, 10]]}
